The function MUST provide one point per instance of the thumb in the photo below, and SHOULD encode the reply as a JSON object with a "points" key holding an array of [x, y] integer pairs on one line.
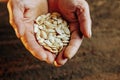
{"points": [[16, 17], [84, 18]]}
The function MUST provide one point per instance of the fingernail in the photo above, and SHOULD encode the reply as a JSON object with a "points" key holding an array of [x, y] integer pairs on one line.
{"points": [[70, 56], [67, 56], [90, 34], [56, 64]]}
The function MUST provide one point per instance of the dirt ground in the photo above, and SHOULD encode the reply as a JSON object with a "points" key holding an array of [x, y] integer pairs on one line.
{"points": [[97, 59]]}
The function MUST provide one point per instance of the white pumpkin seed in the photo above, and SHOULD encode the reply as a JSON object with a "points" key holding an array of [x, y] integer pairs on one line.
{"points": [[48, 24], [52, 32], [43, 34], [59, 21], [41, 41], [40, 27], [36, 28], [66, 30], [48, 42]]}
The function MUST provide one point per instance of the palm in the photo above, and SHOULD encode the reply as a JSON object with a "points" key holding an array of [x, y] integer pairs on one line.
{"points": [[34, 10], [24, 16], [69, 11], [76, 12], [29, 39]]}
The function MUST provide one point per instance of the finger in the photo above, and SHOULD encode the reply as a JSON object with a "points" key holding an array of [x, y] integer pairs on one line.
{"points": [[84, 18], [75, 41], [74, 45], [50, 57], [60, 60], [30, 43], [10, 10], [16, 17]]}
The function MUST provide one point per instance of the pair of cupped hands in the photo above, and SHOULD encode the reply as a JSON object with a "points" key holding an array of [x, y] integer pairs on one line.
{"points": [[23, 13]]}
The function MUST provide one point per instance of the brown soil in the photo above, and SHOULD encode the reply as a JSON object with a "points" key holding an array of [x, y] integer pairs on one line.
{"points": [[97, 59]]}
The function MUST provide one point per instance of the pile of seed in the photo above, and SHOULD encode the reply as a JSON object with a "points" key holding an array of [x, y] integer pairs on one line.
{"points": [[52, 32]]}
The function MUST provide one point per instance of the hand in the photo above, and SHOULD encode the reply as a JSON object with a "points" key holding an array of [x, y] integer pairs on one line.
{"points": [[22, 16], [76, 12]]}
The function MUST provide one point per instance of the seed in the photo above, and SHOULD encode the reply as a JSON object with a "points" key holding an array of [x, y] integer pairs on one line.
{"points": [[55, 22], [48, 24], [56, 14], [60, 49], [48, 42], [40, 27], [59, 21], [53, 47], [51, 39], [54, 51], [48, 15], [36, 28], [66, 30], [65, 44], [38, 35], [64, 23], [40, 20], [47, 47], [41, 41], [59, 36], [43, 34], [52, 32], [37, 20], [65, 38], [58, 30], [61, 44]]}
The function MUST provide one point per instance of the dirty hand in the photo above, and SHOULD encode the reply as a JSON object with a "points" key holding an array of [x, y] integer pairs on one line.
{"points": [[76, 12], [22, 15]]}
